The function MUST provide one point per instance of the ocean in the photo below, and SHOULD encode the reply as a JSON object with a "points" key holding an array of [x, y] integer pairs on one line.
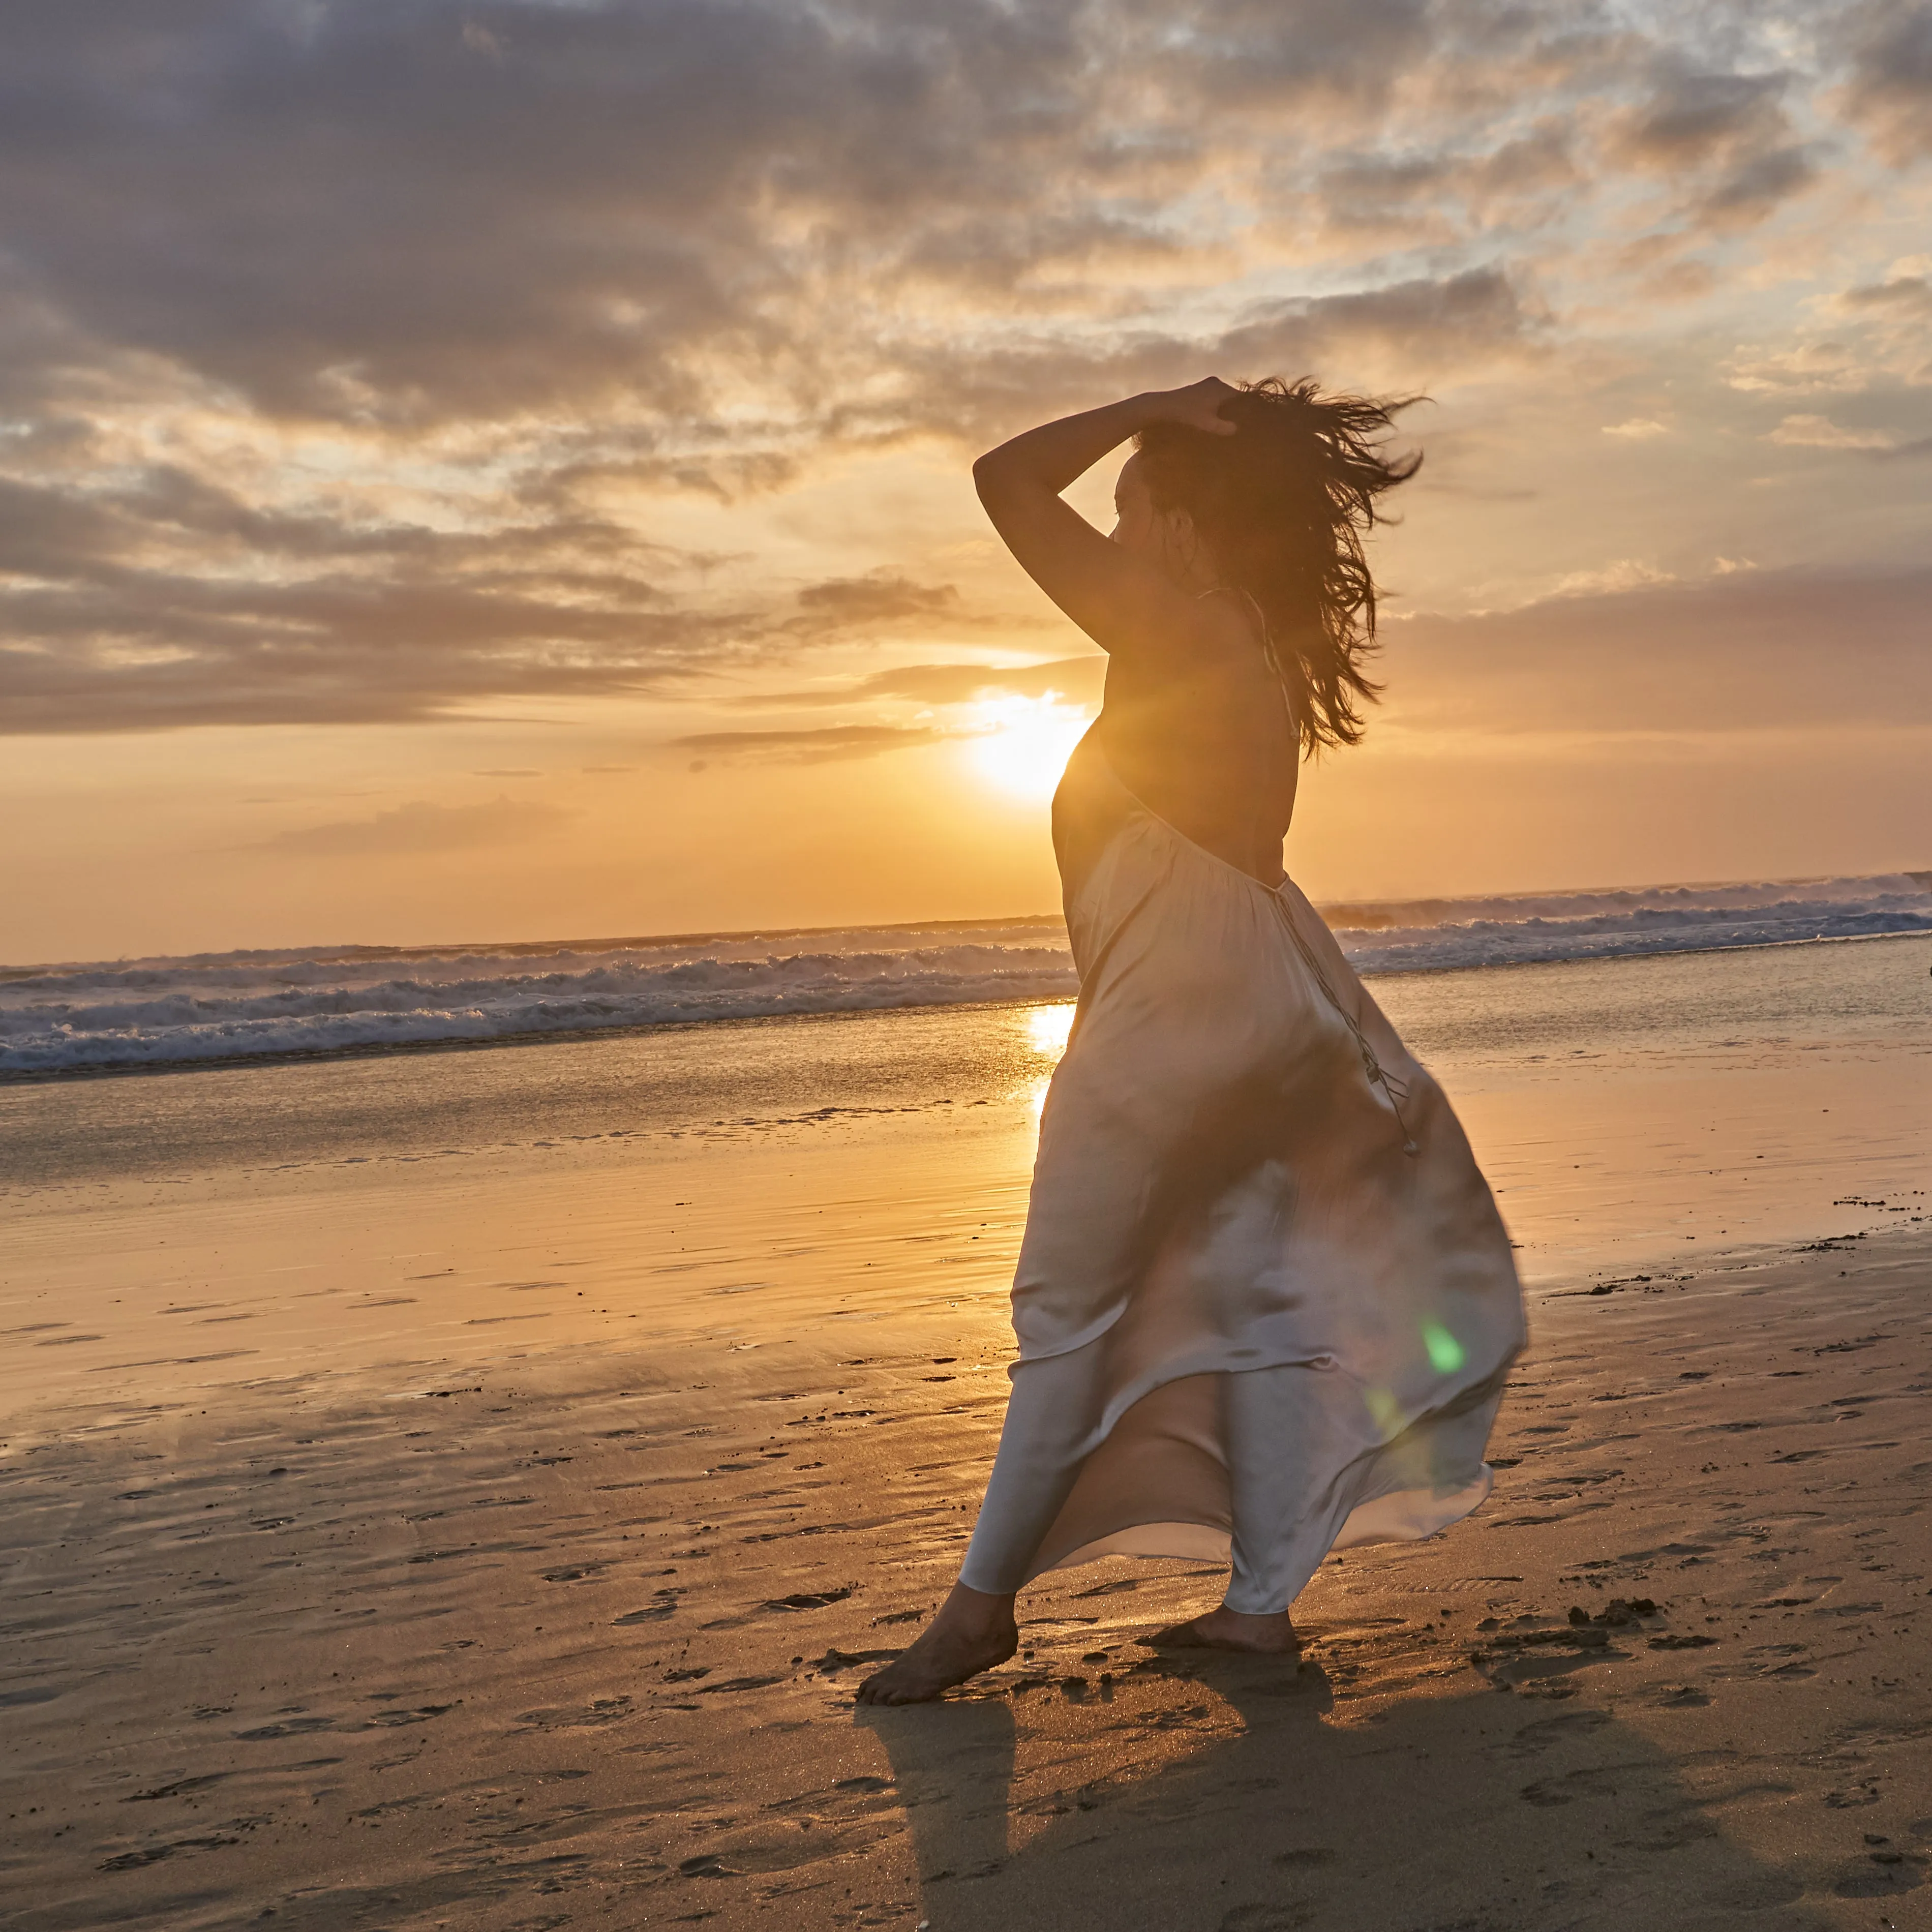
{"points": [[110, 1015]]}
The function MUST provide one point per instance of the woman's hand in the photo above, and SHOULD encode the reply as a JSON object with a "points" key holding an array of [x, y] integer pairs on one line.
{"points": [[1199, 406]]}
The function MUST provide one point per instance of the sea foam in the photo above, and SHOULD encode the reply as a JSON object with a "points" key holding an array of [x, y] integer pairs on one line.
{"points": [[240, 1006]]}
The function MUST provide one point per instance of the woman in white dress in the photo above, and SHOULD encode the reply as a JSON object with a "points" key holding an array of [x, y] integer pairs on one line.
{"points": [[1264, 1303]]}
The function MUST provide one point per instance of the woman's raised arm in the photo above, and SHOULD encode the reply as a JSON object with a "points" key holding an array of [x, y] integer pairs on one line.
{"points": [[1121, 600]]}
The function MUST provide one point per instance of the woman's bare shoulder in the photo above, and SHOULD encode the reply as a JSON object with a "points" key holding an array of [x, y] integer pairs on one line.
{"points": [[1213, 649]]}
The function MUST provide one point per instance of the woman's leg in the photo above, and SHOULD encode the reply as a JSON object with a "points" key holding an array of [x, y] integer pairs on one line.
{"points": [[1265, 1420], [1268, 1474], [1043, 1442], [1040, 1445]]}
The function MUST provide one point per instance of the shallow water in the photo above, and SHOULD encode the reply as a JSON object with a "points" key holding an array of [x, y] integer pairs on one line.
{"points": [[1712, 1015]]}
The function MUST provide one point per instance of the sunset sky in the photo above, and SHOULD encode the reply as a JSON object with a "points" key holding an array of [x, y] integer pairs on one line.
{"points": [[500, 471]]}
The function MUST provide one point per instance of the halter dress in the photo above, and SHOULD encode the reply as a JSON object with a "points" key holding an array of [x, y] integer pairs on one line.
{"points": [[1264, 1303]]}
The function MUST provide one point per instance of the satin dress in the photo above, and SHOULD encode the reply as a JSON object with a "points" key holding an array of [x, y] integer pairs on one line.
{"points": [[1265, 1304]]}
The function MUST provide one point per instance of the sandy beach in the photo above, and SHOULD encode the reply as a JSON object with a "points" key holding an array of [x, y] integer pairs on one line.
{"points": [[490, 1532], [623, 622]]}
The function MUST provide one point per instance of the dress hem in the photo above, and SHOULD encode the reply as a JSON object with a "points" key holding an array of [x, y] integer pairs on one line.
{"points": [[1398, 1516]]}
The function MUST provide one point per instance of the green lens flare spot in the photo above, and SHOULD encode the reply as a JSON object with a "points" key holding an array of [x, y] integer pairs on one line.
{"points": [[1446, 1354]]}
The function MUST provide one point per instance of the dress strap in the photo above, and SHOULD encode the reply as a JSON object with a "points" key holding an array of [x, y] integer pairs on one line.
{"points": [[1379, 1075]]}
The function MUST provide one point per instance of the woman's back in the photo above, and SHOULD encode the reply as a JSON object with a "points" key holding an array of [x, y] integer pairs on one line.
{"points": [[1208, 745]]}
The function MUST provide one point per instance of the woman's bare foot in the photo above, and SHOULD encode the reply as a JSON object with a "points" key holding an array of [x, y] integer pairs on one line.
{"points": [[972, 1632], [1224, 1629]]}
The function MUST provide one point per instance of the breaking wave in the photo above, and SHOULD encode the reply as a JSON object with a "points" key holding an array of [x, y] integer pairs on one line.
{"points": [[241, 1006]]}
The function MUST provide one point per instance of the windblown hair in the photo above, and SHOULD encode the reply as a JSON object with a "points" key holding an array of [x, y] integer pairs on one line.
{"points": [[1284, 504]]}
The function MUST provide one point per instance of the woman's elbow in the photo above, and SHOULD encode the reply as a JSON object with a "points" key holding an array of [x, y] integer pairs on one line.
{"points": [[995, 474]]}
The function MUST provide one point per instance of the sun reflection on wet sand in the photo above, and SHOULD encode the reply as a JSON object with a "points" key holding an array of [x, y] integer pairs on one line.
{"points": [[1047, 1028]]}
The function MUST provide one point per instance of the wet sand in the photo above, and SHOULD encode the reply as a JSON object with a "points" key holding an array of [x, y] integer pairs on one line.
{"points": [[497, 1545], [576, 1644]]}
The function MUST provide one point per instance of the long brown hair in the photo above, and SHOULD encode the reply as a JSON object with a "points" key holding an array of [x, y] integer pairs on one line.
{"points": [[1284, 504]]}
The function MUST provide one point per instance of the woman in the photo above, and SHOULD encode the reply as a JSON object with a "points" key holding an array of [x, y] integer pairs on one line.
{"points": [[1265, 1303]]}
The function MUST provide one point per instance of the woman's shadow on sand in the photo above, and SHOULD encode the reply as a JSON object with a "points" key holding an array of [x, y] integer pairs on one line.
{"points": [[1477, 1812]]}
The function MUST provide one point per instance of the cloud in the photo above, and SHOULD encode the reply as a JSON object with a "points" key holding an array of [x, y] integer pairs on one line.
{"points": [[1902, 295], [1353, 50], [1744, 650], [1805, 366], [1723, 140], [1625, 573], [1443, 194], [170, 603], [824, 745], [1639, 429], [1889, 89], [421, 827], [882, 596], [1426, 323], [1821, 433], [1079, 679]]}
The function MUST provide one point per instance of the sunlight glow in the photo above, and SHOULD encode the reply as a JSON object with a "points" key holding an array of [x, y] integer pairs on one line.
{"points": [[1023, 743], [1047, 1026]]}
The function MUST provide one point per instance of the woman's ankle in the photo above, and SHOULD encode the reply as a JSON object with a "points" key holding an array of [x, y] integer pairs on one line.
{"points": [[969, 1609]]}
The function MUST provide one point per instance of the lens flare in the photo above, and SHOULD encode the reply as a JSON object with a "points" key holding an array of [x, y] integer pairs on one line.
{"points": [[1446, 1354]]}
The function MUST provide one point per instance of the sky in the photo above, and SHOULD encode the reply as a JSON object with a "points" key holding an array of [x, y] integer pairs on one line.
{"points": [[501, 470]]}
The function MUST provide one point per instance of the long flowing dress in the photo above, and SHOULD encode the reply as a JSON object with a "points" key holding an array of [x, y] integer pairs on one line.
{"points": [[1265, 1304]]}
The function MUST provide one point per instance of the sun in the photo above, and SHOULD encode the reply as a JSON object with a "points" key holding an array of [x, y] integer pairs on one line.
{"points": [[1023, 744]]}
